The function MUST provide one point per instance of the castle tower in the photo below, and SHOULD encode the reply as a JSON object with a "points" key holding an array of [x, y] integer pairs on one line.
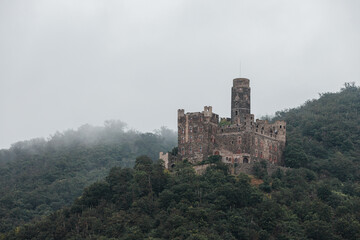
{"points": [[240, 100]]}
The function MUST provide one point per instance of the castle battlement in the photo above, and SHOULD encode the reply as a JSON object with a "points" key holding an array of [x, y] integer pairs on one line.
{"points": [[239, 139]]}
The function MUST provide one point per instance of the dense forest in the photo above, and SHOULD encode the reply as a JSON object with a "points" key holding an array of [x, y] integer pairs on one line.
{"points": [[318, 198], [40, 176], [324, 134]]}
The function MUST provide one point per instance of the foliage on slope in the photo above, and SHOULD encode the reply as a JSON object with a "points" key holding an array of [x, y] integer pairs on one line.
{"points": [[149, 203], [38, 176], [324, 134], [318, 200]]}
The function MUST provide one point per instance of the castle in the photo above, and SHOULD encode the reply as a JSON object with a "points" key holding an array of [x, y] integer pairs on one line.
{"points": [[238, 140]]}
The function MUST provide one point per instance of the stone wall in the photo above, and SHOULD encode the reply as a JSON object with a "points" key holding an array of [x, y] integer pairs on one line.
{"points": [[240, 140], [248, 168]]}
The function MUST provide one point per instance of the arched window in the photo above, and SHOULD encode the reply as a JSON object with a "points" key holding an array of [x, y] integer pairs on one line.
{"points": [[245, 160]]}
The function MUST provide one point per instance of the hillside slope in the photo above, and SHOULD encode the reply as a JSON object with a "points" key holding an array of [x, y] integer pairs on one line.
{"points": [[318, 199], [38, 176], [324, 134], [149, 203]]}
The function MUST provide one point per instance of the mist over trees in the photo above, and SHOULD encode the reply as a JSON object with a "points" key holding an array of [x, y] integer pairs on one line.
{"points": [[318, 198], [39, 176]]}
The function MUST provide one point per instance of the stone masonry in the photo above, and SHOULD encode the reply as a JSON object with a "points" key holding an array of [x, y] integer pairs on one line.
{"points": [[239, 139]]}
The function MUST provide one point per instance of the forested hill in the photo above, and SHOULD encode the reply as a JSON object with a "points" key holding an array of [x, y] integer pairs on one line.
{"points": [[40, 176], [324, 134], [319, 198]]}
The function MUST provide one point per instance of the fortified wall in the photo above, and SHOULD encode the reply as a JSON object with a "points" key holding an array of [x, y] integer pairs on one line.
{"points": [[240, 139]]}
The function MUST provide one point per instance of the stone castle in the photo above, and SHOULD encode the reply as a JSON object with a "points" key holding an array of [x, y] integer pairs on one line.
{"points": [[238, 140]]}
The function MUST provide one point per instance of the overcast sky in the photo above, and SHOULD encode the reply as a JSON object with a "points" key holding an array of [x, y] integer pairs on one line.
{"points": [[66, 63]]}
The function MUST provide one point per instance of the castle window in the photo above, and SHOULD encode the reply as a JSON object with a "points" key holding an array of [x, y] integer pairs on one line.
{"points": [[183, 131], [190, 129], [280, 126], [245, 160], [200, 149], [190, 150], [182, 151], [236, 113], [261, 155], [191, 138]]}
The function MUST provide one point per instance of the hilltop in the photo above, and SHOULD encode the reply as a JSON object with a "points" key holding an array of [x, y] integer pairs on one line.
{"points": [[318, 199]]}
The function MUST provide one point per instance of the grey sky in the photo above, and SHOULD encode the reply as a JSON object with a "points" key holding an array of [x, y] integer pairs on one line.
{"points": [[65, 63]]}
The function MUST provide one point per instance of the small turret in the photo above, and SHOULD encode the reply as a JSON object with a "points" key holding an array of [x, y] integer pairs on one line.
{"points": [[181, 113], [207, 111]]}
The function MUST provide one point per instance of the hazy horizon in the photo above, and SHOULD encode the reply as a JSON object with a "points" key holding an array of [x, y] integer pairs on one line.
{"points": [[67, 63]]}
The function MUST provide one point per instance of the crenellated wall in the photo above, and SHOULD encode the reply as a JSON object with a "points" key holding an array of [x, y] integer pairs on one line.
{"points": [[239, 139]]}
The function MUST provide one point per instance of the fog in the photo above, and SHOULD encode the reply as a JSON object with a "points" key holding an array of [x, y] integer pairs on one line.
{"points": [[68, 63]]}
